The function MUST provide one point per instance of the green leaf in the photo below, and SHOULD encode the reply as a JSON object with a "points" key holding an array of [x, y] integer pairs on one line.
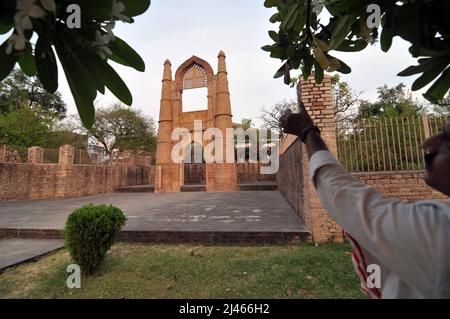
{"points": [[320, 56], [352, 46], [340, 31], [387, 35], [85, 59], [344, 69], [47, 69], [419, 51], [318, 72], [27, 62], [335, 64], [101, 9], [274, 36], [81, 86], [270, 3], [439, 88], [277, 51], [275, 18], [308, 62], [364, 30], [429, 75], [290, 17], [343, 6], [280, 72], [287, 74], [7, 61], [267, 48], [415, 69], [106, 74], [5, 28], [323, 45], [134, 8], [295, 61], [125, 55]]}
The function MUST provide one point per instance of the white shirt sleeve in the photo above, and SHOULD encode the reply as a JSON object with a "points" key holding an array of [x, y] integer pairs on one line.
{"points": [[412, 240]]}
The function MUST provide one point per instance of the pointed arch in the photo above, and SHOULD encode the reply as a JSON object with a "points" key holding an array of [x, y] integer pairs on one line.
{"points": [[188, 64]]}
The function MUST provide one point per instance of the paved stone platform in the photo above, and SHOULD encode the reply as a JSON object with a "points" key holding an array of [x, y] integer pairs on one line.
{"points": [[250, 186], [240, 217], [17, 250]]}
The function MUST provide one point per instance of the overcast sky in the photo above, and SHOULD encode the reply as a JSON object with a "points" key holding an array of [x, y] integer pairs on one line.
{"points": [[176, 30]]}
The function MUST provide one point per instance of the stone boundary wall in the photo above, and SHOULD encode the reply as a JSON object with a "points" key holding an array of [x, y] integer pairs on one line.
{"points": [[409, 186], [35, 180], [294, 184], [251, 172], [294, 163]]}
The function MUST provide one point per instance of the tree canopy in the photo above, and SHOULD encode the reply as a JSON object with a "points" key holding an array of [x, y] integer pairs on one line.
{"points": [[304, 42], [124, 128], [391, 101], [81, 34], [19, 90], [23, 128], [271, 116], [443, 108], [246, 123]]}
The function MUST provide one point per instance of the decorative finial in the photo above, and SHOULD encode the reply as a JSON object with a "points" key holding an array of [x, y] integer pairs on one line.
{"points": [[221, 54], [167, 62]]}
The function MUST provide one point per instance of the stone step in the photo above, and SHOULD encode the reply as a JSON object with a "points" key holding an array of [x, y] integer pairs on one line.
{"points": [[254, 186], [258, 186], [193, 188], [135, 189], [180, 237]]}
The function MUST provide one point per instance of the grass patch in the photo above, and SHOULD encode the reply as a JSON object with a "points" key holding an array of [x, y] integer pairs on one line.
{"points": [[184, 271]]}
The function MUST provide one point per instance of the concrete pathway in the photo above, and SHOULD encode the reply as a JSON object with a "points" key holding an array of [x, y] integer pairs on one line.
{"points": [[252, 211], [15, 251]]}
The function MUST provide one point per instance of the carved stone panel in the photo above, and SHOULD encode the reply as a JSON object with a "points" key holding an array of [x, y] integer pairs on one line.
{"points": [[194, 78]]}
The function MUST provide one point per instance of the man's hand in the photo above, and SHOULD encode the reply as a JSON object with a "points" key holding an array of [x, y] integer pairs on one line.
{"points": [[294, 123]]}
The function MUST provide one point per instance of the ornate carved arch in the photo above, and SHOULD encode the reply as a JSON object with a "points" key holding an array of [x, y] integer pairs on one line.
{"points": [[187, 65]]}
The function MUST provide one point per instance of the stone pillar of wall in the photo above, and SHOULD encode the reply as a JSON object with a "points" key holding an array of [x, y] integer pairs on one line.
{"points": [[65, 164], [35, 155], [66, 155], [168, 178], [225, 175], [318, 101]]}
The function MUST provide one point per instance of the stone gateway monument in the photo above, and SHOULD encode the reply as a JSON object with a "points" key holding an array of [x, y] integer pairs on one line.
{"points": [[194, 73]]}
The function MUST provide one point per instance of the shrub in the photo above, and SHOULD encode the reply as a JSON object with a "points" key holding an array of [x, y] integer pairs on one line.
{"points": [[89, 233]]}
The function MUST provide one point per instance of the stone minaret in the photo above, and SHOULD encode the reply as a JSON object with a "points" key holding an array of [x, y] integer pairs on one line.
{"points": [[167, 172], [225, 179]]}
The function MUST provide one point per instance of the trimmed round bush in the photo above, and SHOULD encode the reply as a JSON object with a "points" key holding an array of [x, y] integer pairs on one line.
{"points": [[89, 233]]}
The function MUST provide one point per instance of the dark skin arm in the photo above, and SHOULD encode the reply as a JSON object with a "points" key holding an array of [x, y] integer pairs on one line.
{"points": [[294, 123]]}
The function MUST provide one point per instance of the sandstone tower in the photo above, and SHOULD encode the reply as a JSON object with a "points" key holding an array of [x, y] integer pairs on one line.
{"points": [[194, 73]]}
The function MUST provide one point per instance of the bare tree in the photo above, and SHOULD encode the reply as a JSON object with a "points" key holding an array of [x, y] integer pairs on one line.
{"points": [[271, 117], [346, 102]]}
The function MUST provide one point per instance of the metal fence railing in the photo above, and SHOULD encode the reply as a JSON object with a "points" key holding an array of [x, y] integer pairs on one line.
{"points": [[385, 144], [51, 155], [82, 157], [13, 154], [19, 154]]}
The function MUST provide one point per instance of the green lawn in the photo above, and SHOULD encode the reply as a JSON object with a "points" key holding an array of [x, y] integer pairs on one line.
{"points": [[184, 271]]}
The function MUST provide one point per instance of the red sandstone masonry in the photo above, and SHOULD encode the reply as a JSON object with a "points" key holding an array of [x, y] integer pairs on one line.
{"points": [[293, 176], [318, 101], [42, 181], [408, 186]]}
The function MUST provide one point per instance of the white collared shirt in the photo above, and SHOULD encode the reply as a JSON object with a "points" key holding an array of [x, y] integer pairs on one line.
{"points": [[410, 242]]}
